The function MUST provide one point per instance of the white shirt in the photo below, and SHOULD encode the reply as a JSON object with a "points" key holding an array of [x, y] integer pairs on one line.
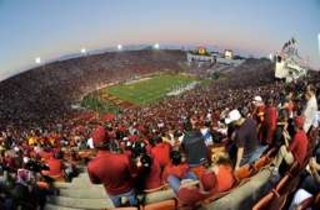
{"points": [[310, 113], [207, 136], [90, 143]]}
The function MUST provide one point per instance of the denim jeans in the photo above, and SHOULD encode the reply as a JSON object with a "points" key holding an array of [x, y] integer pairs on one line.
{"points": [[131, 196], [253, 156], [175, 182]]}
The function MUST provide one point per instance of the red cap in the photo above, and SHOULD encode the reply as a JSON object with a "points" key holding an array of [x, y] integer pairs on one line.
{"points": [[299, 121], [208, 181], [99, 135]]}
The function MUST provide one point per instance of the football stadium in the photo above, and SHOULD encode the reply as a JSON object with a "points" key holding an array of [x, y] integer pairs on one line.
{"points": [[159, 122]]}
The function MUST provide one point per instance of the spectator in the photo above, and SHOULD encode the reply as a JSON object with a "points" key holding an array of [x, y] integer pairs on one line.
{"points": [[190, 192], [310, 185], [296, 150], [194, 145], [177, 168], [117, 178], [56, 166], [222, 167], [160, 151], [269, 124], [246, 139], [149, 173], [310, 111]]}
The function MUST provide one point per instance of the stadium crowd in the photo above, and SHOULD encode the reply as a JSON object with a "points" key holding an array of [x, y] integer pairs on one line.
{"points": [[171, 144]]}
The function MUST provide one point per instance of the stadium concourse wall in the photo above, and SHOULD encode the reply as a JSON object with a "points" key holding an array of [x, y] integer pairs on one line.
{"points": [[48, 91]]}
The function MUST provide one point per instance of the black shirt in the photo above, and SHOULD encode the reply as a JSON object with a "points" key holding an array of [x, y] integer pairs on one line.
{"points": [[246, 137], [194, 147]]}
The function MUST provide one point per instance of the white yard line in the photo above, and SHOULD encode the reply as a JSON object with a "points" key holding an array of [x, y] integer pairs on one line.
{"points": [[136, 81], [179, 91]]}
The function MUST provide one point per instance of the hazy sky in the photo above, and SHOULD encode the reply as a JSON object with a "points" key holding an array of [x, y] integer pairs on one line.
{"points": [[49, 28]]}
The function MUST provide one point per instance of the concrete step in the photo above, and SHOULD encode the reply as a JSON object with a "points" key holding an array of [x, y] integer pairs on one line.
{"points": [[83, 193], [84, 185], [159, 196], [81, 179], [81, 203], [55, 207]]}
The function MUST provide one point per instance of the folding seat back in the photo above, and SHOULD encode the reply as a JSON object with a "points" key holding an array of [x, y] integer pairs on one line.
{"points": [[317, 201], [285, 187], [162, 187], [279, 202], [167, 204], [294, 168], [243, 172], [307, 203], [272, 200], [264, 202], [271, 152], [260, 163], [282, 186], [293, 184]]}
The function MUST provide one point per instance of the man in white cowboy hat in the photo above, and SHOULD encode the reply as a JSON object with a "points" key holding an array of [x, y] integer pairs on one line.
{"points": [[246, 139], [259, 108]]}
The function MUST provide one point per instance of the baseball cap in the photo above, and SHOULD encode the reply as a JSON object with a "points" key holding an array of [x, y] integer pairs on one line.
{"points": [[234, 115], [257, 100]]}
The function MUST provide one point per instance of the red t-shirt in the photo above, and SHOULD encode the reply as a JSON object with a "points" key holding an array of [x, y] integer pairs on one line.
{"points": [[161, 152], [153, 180], [299, 146], [56, 167], [270, 124], [113, 170], [259, 114], [225, 178], [179, 171], [271, 117], [46, 155]]}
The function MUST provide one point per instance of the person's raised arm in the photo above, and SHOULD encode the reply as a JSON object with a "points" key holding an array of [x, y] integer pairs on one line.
{"points": [[239, 157]]}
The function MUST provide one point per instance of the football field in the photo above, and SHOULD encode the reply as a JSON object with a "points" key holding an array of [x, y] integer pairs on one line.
{"points": [[149, 90]]}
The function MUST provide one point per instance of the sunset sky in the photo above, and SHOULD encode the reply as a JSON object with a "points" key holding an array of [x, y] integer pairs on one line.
{"points": [[49, 29]]}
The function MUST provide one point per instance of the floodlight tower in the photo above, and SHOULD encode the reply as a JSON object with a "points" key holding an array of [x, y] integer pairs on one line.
{"points": [[37, 60], [156, 46], [271, 57], [83, 51]]}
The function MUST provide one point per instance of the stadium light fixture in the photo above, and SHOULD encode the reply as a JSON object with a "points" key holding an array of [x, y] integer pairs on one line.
{"points": [[119, 47], [83, 50], [37, 60], [271, 57], [156, 46]]}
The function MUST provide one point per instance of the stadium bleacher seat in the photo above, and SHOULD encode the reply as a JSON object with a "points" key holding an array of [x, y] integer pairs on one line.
{"points": [[126, 208], [243, 172], [282, 185], [305, 204], [260, 163], [264, 202], [167, 204], [294, 168]]}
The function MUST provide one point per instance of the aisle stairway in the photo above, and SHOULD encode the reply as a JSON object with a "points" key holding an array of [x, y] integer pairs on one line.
{"points": [[79, 195]]}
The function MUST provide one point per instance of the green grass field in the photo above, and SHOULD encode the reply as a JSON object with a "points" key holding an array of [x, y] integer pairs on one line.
{"points": [[151, 90]]}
